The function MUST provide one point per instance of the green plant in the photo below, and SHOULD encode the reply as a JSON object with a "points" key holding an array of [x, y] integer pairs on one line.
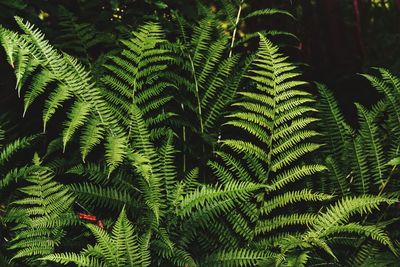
{"points": [[208, 152], [364, 161], [9, 149], [38, 218], [79, 39], [12, 171], [121, 249]]}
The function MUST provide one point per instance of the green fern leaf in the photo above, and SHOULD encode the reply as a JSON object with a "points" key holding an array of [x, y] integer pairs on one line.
{"points": [[76, 118], [92, 134], [115, 151]]}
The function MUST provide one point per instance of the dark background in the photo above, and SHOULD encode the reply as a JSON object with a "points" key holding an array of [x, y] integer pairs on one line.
{"points": [[336, 38]]}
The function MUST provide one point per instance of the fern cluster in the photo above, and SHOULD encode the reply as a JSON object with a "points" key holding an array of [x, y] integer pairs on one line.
{"points": [[363, 160], [198, 155]]}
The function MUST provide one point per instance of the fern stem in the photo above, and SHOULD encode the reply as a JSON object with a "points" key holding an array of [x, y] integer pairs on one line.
{"points": [[184, 141], [272, 130], [235, 29], [387, 181], [390, 175], [196, 84], [133, 102], [81, 206]]}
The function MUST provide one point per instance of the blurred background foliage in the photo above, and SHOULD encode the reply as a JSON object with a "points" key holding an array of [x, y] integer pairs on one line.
{"points": [[334, 39]]}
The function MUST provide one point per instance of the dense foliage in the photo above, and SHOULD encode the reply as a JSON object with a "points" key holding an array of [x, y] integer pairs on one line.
{"points": [[170, 141]]}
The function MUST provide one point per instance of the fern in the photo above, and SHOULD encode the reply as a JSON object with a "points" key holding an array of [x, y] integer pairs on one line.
{"points": [[40, 216], [236, 258], [138, 76], [361, 152], [77, 38], [275, 95], [230, 190], [63, 70], [335, 220], [10, 149], [340, 212], [333, 124], [10, 171], [208, 80], [388, 84], [208, 151], [262, 114], [360, 165], [371, 142], [236, 13], [121, 248], [275, 114]]}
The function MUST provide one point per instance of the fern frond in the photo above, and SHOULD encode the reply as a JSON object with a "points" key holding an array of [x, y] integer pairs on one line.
{"points": [[332, 122], [375, 233], [294, 174], [274, 114], [340, 212], [372, 144], [70, 77], [106, 245], [240, 257], [281, 221], [102, 196], [76, 119], [146, 163], [167, 168], [78, 259], [231, 190], [389, 85], [92, 134], [359, 165], [55, 100], [115, 151], [9, 150], [44, 212], [339, 178], [137, 75], [14, 175], [38, 85], [121, 248], [268, 12], [290, 198]]}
